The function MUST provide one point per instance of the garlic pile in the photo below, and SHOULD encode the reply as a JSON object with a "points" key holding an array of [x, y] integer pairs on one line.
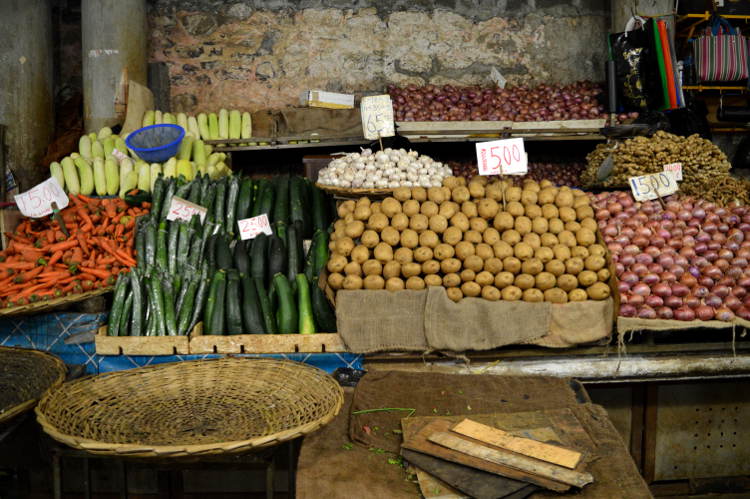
{"points": [[386, 169]]}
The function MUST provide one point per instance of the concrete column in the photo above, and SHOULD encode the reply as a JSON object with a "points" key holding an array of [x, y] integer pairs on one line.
{"points": [[622, 10], [114, 37], [26, 94]]}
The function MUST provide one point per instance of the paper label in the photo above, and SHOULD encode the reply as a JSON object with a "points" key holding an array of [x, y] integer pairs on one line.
{"points": [[377, 116], [675, 168], [37, 201], [502, 157], [656, 185], [182, 209], [251, 227]]}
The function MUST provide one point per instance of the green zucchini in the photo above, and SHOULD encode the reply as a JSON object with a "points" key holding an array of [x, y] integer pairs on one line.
{"points": [[149, 244], [183, 189], [127, 309], [306, 320], [220, 202], [157, 196], [279, 228], [245, 199], [118, 303], [161, 246], [169, 190], [281, 199], [287, 317], [269, 320], [233, 192], [157, 302], [195, 191], [170, 318], [319, 204], [172, 240], [317, 257], [185, 308], [307, 217], [223, 253], [140, 241], [294, 251], [233, 304], [258, 257], [296, 201], [325, 317], [276, 257], [208, 195], [200, 297], [241, 259], [213, 322], [252, 315], [136, 321], [265, 200]]}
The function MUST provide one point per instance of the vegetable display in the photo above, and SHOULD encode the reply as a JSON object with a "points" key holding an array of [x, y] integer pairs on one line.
{"points": [[389, 168], [212, 126], [685, 261], [41, 262], [544, 102], [557, 173], [490, 239]]}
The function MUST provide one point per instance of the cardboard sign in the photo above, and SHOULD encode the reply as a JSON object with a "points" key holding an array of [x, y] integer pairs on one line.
{"points": [[502, 157], [182, 209], [37, 201], [251, 227], [656, 185], [377, 117], [675, 168]]}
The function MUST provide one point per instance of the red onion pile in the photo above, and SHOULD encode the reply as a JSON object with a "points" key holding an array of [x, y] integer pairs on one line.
{"points": [[686, 262], [541, 103], [558, 173]]}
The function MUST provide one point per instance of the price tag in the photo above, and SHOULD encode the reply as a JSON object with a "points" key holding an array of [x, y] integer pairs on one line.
{"points": [[182, 209], [37, 201], [119, 154], [251, 227], [675, 168], [502, 157], [656, 185], [377, 116]]}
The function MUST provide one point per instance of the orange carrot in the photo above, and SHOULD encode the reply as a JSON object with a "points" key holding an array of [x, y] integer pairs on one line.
{"points": [[71, 243], [101, 274], [56, 256]]}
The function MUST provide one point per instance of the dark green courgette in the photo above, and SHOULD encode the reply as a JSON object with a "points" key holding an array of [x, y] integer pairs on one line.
{"points": [[241, 259], [136, 322], [287, 317], [208, 195], [169, 190], [220, 202], [172, 240], [296, 201], [276, 257], [157, 302], [170, 318], [127, 310], [252, 315], [223, 253], [245, 199], [213, 322], [186, 307], [233, 192], [149, 243], [161, 245], [195, 191], [307, 217], [157, 197], [265, 201], [317, 257], [183, 189], [140, 241], [258, 257], [233, 304], [294, 251], [200, 297], [269, 319], [319, 209], [325, 317], [281, 199], [306, 320], [118, 303]]}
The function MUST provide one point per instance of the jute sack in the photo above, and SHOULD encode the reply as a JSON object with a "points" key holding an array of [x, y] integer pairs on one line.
{"points": [[574, 323]]}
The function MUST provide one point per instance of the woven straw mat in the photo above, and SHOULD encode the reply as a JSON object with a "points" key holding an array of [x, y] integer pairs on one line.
{"points": [[190, 408], [25, 375]]}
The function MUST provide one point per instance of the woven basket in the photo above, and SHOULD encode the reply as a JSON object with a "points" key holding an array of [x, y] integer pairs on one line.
{"points": [[25, 375], [55, 303], [349, 192], [191, 408]]}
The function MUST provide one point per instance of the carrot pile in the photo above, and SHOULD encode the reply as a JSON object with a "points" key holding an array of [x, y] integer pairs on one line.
{"points": [[41, 263]]}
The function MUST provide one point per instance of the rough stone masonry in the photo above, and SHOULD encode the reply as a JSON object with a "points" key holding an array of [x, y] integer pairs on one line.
{"points": [[255, 54]]}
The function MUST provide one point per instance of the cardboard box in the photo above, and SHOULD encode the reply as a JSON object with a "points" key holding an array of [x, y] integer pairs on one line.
{"points": [[330, 100]]}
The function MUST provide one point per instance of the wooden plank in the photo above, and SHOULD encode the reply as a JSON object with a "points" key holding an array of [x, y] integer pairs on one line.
{"points": [[432, 488], [265, 343], [509, 459], [558, 125], [140, 345], [526, 446]]}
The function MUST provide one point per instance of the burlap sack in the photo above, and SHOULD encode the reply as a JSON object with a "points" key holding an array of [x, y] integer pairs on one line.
{"points": [[627, 324], [478, 324], [575, 323], [326, 123]]}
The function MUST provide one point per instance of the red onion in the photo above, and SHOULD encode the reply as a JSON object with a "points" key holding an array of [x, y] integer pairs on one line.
{"points": [[680, 290], [646, 312], [692, 301], [732, 303], [684, 314], [627, 310], [724, 314], [712, 300], [661, 289], [744, 313], [704, 313], [641, 289], [664, 313], [673, 301]]}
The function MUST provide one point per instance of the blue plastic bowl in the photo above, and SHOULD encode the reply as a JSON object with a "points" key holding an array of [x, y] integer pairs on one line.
{"points": [[156, 143]]}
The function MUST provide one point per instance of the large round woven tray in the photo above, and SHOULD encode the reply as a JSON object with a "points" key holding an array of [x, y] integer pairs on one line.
{"points": [[191, 408], [348, 192], [24, 377]]}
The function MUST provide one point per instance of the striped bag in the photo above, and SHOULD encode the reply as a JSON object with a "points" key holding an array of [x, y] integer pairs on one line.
{"points": [[721, 53]]}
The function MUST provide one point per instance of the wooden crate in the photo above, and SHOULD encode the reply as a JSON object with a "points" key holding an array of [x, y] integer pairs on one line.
{"points": [[265, 343], [140, 345]]}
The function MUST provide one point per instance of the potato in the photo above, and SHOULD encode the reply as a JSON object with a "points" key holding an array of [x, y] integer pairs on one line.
{"points": [[394, 284], [504, 279], [336, 263], [564, 199], [469, 208], [523, 251], [419, 193], [532, 211], [346, 208], [503, 221], [354, 229], [369, 239], [546, 183], [335, 280], [451, 280], [493, 265], [402, 193], [435, 194], [549, 240], [372, 267], [539, 225], [597, 250], [531, 185], [460, 194], [494, 191], [349, 217], [515, 208], [533, 295], [391, 269], [604, 275], [409, 239], [478, 224], [374, 282], [461, 221], [476, 188], [567, 238], [468, 275], [544, 254], [429, 208], [438, 223], [577, 295], [471, 289], [555, 267], [415, 282], [550, 211], [473, 236], [429, 238], [502, 249], [375, 207], [362, 212], [403, 255], [487, 208], [566, 214], [344, 246], [443, 251], [484, 251], [556, 226], [491, 293], [522, 225], [484, 278], [390, 236], [562, 252], [410, 207], [556, 295], [574, 265], [360, 254], [464, 249], [513, 194], [528, 197], [598, 291], [390, 206], [474, 263], [490, 236], [524, 281], [512, 264], [433, 280], [572, 226], [532, 266], [430, 267], [594, 263], [584, 212], [422, 254], [580, 199], [451, 182], [377, 222], [411, 269], [590, 224], [511, 236], [448, 209], [352, 282], [547, 195], [579, 251], [454, 294], [533, 240], [511, 293], [452, 235], [587, 277], [585, 237], [567, 282], [545, 280], [399, 222], [383, 252], [419, 222]]}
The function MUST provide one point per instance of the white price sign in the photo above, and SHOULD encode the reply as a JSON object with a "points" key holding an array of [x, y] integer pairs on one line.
{"points": [[502, 157], [37, 201], [182, 209], [377, 116], [675, 168], [656, 185], [251, 227]]}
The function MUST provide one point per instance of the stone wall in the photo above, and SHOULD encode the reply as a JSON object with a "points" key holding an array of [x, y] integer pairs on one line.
{"points": [[263, 54]]}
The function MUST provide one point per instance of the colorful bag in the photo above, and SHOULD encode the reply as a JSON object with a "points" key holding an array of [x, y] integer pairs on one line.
{"points": [[721, 53]]}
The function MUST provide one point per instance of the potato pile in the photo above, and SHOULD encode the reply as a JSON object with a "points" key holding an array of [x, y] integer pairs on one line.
{"points": [[495, 240]]}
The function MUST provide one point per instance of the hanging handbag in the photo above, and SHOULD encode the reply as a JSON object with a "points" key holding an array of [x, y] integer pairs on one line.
{"points": [[629, 50], [721, 53]]}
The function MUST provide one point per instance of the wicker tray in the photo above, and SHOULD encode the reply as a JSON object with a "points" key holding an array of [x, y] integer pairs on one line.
{"points": [[25, 375], [47, 305], [348, 192], [191, 408]]}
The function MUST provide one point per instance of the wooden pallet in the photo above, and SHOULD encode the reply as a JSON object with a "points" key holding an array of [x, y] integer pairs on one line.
{"points": [[265, 343], [140, 345]]}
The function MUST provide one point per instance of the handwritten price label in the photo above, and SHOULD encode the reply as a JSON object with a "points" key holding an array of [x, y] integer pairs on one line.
{"points": [[675, 168], [251, 227], [37, 201], [377, 116], [502, 157], [182, 209], [656, 185]]}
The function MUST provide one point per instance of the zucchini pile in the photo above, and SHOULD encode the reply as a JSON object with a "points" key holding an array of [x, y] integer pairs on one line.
{"points": [[200, 270]]}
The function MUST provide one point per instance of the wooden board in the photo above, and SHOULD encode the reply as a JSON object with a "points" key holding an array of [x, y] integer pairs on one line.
{"points": [[140, 345], [496, 437], [432, 488], [559, 125], [505, 458], [265, 343]]}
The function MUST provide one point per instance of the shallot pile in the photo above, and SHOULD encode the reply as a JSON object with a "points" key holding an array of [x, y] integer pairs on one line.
{"points": [[686, 262], [541, 103], [557, 173]]}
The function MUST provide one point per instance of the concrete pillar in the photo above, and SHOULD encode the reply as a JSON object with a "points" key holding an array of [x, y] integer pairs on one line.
{"points": [[622, 10], [114, 37], [26, 92]]}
